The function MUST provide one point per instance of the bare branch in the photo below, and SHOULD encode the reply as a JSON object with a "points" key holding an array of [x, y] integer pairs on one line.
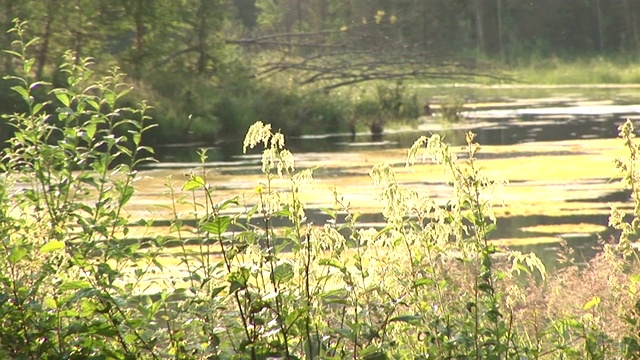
{"points": [[263, 39], [361, 53], [175, 55]]}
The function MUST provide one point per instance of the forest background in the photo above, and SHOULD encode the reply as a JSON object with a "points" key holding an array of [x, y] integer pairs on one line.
{"points": [[211, 68]]}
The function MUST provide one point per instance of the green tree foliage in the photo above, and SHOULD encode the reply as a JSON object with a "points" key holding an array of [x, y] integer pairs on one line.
{"points": [[145, 34], [192, 57]]}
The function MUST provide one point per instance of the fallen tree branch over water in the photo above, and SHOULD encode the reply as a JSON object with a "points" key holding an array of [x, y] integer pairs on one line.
{"points": [[366, 52]]}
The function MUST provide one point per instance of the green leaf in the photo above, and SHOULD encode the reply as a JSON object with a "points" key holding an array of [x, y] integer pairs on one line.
{"points": [[490, 228], [215, 291], [52, 245], [573, 323], [110, 98], [409, 319], [238, 279], [125, 195], [14, 53], [485, 288], [63, 97], [75, 285], [64, 113], [27, 65], [196, 182], [37, 107], [373, 353], [30, 43], [422, 282], [136, 137], [225, 203], [235, 286], [284, 213], [17, 254], [346, 333], [595, 301], [37, 84], [493, 315], [283, 273], [91, 130], [68, 313], [94, 104], [22, 91], [123, 93], [331, 262], [385, 230], [341, 293], [218, 226], [50, 303], [491, 249], [332, 213], [104, 329]]}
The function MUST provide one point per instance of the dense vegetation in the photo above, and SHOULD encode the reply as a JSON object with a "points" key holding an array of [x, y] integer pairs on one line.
{"points": [[212, 67], [73, 285]]}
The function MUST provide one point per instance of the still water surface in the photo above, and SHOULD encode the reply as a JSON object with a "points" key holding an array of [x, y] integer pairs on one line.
{"points": [[498, 124], [493, 127]]}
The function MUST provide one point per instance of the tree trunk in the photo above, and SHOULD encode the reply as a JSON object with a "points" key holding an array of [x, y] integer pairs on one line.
{"points": [[78, 33], [138, 18], [43, 51], [479, 27], [632, 28], [299, 14], [424, 10], [202, 35], [8, 17], [348, 13], [500, 30], [600, 26], [323, 15]]}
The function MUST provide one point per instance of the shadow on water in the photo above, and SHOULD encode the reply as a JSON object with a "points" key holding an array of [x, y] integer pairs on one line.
{"points": [[585, 245], [498, 131]]}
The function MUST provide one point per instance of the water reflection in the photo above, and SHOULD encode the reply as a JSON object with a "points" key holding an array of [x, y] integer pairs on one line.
{"points": [[496, 131]]}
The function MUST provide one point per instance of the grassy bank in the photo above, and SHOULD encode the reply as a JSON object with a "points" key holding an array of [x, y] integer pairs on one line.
{"points": [[595, 70], [196, 110]]}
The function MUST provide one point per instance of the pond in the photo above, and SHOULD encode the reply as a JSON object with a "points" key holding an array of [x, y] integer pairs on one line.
{"points": [[497, 123], [557, 152]]}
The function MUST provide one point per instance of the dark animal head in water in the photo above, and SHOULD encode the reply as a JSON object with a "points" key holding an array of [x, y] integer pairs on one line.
{"points": [[427, 110]]}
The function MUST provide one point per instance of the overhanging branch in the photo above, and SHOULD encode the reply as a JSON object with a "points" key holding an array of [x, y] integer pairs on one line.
{"points": [[336, 58]]}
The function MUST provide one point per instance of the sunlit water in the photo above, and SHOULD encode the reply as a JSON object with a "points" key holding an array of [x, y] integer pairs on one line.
{"points": [[504, 125]]}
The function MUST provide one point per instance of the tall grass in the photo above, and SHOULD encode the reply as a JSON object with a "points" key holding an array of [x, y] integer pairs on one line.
{"points": [[580, 71], [252, 278]]}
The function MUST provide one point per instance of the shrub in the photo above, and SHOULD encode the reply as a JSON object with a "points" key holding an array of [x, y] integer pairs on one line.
{"points": [[193, 109], [389, 103], [67, 177]]}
